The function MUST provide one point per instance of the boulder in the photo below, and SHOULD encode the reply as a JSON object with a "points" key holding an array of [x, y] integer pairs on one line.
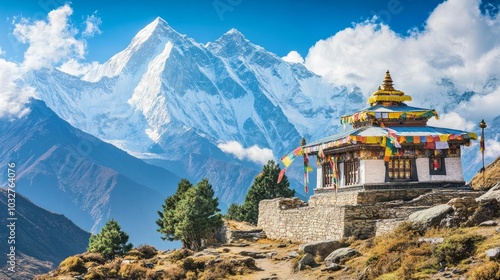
{"points": [[493, 254], [432, 240], [333, 267], [293, 254], [489, 223], [306, 261], [321, 248], [340, 256], [430, 217], [255, 255], [493, 193], [486, 210]]}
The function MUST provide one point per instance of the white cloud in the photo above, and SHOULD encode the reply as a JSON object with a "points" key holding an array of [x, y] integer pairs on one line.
{"points": [[482, 106], [254, 153], [13, 99], [491, 149], [51, 43], [457, 43], [77, 68], [452, 120], [92, 25], [293, 57]]}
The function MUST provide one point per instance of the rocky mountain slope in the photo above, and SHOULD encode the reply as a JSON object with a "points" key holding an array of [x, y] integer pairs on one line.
{"points": [[173, 101], [42, 238], [65, 170]]}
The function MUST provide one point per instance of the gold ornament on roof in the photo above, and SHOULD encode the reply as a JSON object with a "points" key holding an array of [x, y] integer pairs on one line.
{"points": [[387, 93]]}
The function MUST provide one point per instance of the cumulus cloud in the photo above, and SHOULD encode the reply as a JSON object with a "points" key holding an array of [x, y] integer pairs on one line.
{"points": [[457, 51], [452, 120], [92, 25], [13, 99], [492, 148], [253, 153], [293, 57], [77, 68], [51, 43]]}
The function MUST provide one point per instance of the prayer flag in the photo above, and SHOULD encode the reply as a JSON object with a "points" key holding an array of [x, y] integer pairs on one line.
{"points": [[442, 145], [288, 159], [481, 145], [307, 169], [282, 173]]}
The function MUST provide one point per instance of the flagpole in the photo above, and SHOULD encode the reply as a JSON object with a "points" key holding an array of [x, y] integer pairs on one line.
{"points": [[482, 125]]}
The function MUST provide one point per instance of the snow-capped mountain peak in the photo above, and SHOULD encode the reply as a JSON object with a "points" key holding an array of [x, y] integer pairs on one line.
{"points": [[146, 45]]}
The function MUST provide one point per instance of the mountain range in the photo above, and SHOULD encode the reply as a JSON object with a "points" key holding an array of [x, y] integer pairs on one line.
{"points": [[65, 170], [42, 239], [171, 105]]}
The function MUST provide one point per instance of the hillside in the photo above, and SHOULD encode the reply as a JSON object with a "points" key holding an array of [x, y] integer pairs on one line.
{"points": [[68, 171], [491, 176], [399, 255], [42, 238]]}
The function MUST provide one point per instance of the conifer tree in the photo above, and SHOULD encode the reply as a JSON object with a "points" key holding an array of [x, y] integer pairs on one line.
{"points": [[167, 221], [191, 215], [265, 186], [110, 242]]}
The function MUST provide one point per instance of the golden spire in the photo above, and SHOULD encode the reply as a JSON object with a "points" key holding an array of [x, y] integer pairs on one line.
{"points": [[387, 93], [387, 84]]}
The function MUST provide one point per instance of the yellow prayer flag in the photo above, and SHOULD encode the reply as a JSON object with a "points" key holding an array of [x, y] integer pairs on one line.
{"points": [[371, 139]]}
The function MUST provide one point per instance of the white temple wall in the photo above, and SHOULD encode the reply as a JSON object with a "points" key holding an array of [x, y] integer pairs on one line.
{"points": [[319, 177], [453, 171], [372, 171], [341, 174]]}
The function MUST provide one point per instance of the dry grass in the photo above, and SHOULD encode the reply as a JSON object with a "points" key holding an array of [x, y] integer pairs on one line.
{"points": [[395, 256], [491, 176], [72, 265], [486, 271]]}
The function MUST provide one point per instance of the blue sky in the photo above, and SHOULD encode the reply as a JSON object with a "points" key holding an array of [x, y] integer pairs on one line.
{"points": [[279, 26]]}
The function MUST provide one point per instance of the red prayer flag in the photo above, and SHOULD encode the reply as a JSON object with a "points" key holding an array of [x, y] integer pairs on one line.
{"points": [[282, 173]]}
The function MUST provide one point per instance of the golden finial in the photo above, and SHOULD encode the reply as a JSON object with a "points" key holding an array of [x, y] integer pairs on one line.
{"points": [[387, 93], [387, 84]]}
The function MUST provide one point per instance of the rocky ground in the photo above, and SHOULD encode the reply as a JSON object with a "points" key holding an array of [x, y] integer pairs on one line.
{"points": [[405, 254], [457, 240]]}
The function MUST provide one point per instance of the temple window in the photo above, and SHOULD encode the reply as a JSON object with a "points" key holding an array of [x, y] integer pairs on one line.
{"points": [[436, 165], [328, 176], [351, 168], [400, 169]]}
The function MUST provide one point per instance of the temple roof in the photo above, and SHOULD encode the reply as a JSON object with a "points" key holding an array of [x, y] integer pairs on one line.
{"points": [[376, 135], [387, 105]]}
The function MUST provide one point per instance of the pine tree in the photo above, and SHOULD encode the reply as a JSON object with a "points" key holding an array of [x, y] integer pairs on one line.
{"points": [[234, 212], [192, 216], [110, 242], [167, 221], [265, 186]]}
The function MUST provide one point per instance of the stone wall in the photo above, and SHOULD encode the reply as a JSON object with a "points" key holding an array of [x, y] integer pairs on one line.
{"points": [[302, 224], [334, 198], [362, 214], [387, 226]]}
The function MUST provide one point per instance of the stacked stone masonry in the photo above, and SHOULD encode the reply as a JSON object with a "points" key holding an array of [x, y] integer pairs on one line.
{"points": [[357, 213]]}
